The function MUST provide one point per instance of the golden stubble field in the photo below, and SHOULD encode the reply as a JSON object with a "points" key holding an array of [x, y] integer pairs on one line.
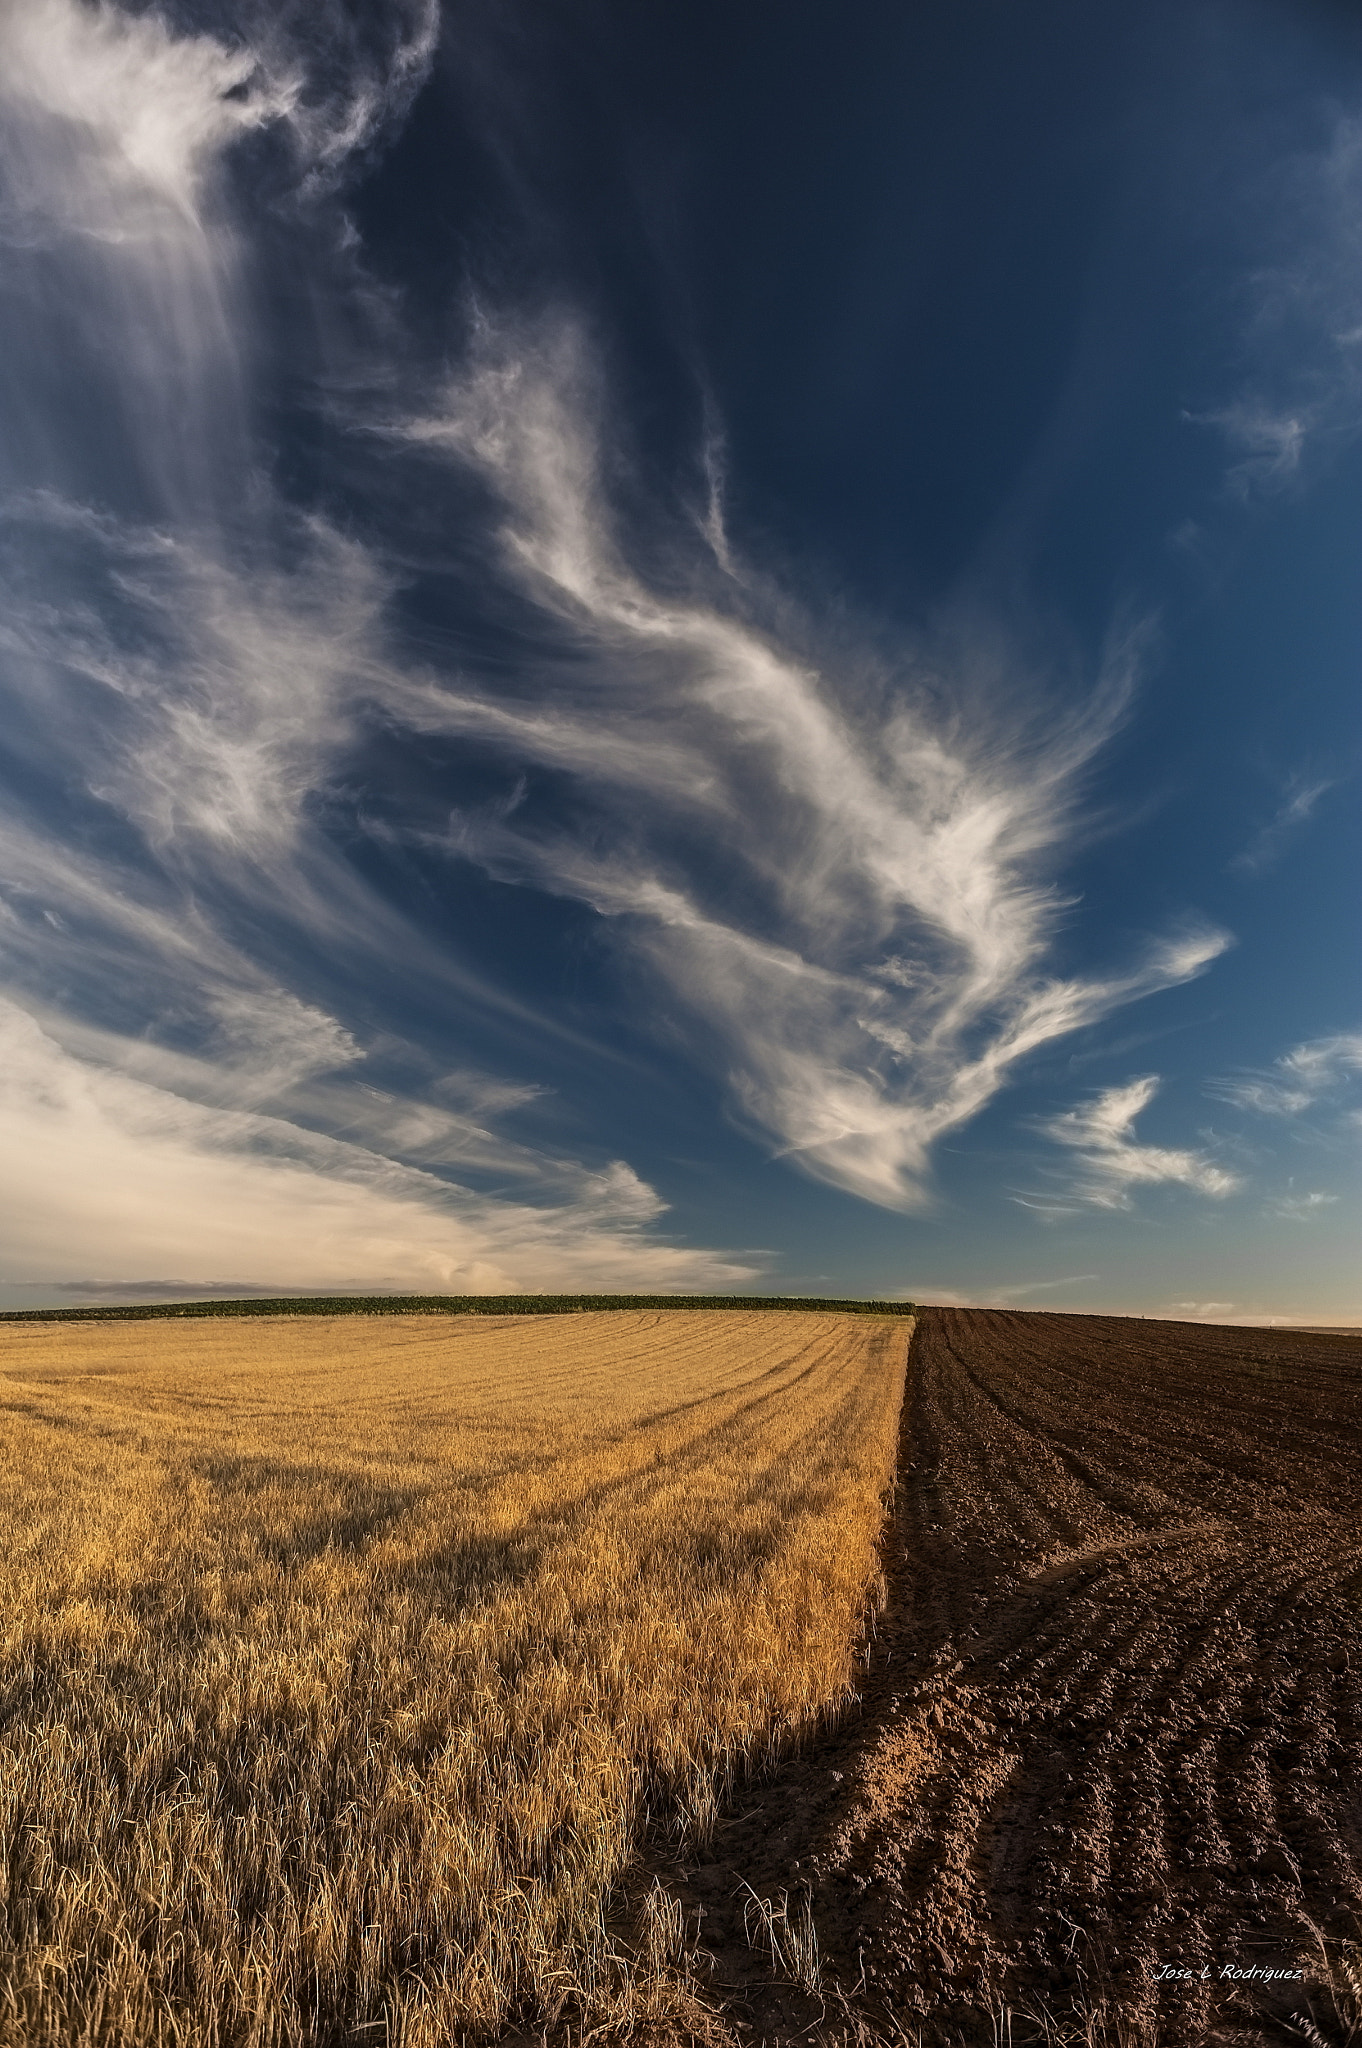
{"points": [[346, 1663]]}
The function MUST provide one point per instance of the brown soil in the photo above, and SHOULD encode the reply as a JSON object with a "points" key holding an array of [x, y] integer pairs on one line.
{"points": [[1109, 1725]]}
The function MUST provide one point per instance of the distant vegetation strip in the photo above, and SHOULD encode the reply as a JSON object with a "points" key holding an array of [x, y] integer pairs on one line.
{"points": [[448, 1305]]}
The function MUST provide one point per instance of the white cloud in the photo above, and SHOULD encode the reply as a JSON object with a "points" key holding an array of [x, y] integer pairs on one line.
{"points": [[121, 262], [1112, 1162], [1303, 390], [838, 872], [181, 669], [146, 113], [357, 70], [1269, 842], [135, 115], [1269, 445], [284, 1040], [1026, 1287], [1310, 1075], [101, 1174], [203, 700], [1300, 1208], [860, 824]]}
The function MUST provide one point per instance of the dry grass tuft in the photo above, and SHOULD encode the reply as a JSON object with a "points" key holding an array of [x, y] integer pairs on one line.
{"points": [[343, 1664], [1333, 2014], [787, 1934]]}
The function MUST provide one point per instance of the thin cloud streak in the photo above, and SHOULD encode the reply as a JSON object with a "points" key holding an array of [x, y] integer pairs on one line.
{"points": [[1112, 1162], [1303, 333], [1269, 842], [1301, 1208], [1008, 1294], [1310, 1075]]}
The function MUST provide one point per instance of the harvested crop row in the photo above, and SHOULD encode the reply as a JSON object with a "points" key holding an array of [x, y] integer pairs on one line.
{"points": [[344, 1663]]}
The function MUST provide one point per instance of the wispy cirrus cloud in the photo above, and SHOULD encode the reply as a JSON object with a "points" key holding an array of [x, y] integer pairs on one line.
{"points": [[204, 698], [1268, 444], [832, 876], [1302, 1206], [145, 110], [182, 654], [866, 958], [1110, 1161], [1270, 841], [1312, 1075], [1302, 338], [1029, 1287]]}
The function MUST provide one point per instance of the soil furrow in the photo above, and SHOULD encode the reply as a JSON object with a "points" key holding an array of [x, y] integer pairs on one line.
{"points": [[1109, 1731]]}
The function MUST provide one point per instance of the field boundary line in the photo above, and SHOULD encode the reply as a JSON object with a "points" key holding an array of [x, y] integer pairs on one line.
{"points": [[454, 1305]]}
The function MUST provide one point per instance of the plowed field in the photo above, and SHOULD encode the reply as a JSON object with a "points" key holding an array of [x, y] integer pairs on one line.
{"points": [[1111, 1729]]}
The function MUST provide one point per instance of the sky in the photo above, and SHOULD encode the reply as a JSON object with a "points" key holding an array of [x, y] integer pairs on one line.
{"points": [[694, 649]]}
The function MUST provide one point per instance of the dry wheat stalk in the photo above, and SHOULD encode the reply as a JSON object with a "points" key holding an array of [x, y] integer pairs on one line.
{"points": [[343, 1662]]}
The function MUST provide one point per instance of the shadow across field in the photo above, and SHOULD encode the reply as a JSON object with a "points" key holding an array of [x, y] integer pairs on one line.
{"points": [[292, 1511]]}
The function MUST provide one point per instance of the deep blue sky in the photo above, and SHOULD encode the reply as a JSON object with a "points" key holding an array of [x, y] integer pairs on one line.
{"points": [[688, 648]]}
